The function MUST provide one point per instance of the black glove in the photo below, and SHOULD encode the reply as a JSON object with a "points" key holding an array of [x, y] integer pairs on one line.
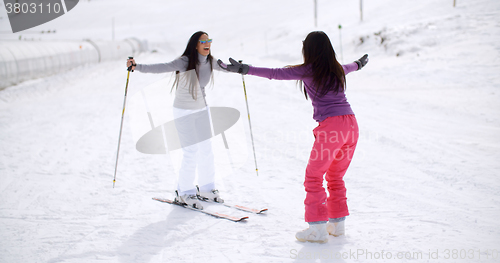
{"points": [[362, 61], [234, 67]]}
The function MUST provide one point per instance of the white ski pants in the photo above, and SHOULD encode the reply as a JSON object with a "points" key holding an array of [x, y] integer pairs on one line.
{"points": [[194, 131]]}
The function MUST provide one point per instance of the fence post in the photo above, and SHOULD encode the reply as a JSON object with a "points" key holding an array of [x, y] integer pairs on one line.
{"points": [[361, 9]]}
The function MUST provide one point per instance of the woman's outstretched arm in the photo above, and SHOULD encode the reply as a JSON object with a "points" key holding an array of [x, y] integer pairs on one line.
{"points": [[288, 73], [179, 64]]}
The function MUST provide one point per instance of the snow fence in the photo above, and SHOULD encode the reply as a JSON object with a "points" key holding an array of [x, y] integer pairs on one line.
{"points": [[23, 60]]}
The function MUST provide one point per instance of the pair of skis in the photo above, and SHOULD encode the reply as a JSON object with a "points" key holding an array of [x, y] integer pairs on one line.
{"points": [[216, 214]]}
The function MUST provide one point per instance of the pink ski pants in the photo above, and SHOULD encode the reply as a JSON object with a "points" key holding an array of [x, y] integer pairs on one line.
{"points": [[335, 141]]}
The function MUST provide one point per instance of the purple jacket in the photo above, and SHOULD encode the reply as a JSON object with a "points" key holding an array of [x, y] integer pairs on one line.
{"points": [[327, 106]]}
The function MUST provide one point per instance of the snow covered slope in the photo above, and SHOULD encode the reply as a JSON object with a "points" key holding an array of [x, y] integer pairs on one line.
{"points": [[423, 182]]}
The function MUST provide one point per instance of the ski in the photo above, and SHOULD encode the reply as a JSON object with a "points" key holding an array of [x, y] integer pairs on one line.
{"points": [[215, 214], [239, 207]]}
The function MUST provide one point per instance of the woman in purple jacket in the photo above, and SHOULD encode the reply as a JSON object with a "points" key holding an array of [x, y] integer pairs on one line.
{"points": [[336, 136]]}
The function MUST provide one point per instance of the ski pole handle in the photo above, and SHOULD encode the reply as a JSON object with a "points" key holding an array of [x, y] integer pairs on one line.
{"points": [[133, 65]]}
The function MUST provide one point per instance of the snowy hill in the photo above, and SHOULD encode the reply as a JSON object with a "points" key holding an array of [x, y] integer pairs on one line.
{"points": [[423, 182]]}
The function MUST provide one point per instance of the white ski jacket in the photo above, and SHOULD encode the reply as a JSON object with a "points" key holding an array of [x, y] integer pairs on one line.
{"points": [[184, 98]]}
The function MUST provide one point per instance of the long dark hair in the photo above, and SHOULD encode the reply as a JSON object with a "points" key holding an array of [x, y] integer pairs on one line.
{"points": [[328, 75], [192, 55]]}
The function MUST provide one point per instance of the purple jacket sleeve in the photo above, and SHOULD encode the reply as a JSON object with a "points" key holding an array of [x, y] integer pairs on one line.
{"points": [[348, 68], [291, 73]]}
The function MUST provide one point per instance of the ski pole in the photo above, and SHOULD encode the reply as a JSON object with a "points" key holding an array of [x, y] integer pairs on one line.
{"points": [[249, 123], [121, 124]]}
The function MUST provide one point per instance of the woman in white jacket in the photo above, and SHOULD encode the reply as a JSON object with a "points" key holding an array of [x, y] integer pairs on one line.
{"points": [[192, 118]]}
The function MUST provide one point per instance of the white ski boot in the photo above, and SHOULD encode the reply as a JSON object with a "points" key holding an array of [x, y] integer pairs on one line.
{"points": [[315, 233], [189, 199], [336, 229], [212, 195]]}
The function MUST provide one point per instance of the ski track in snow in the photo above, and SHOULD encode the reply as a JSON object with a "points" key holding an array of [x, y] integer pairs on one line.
{"points": [[423, 179]]}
